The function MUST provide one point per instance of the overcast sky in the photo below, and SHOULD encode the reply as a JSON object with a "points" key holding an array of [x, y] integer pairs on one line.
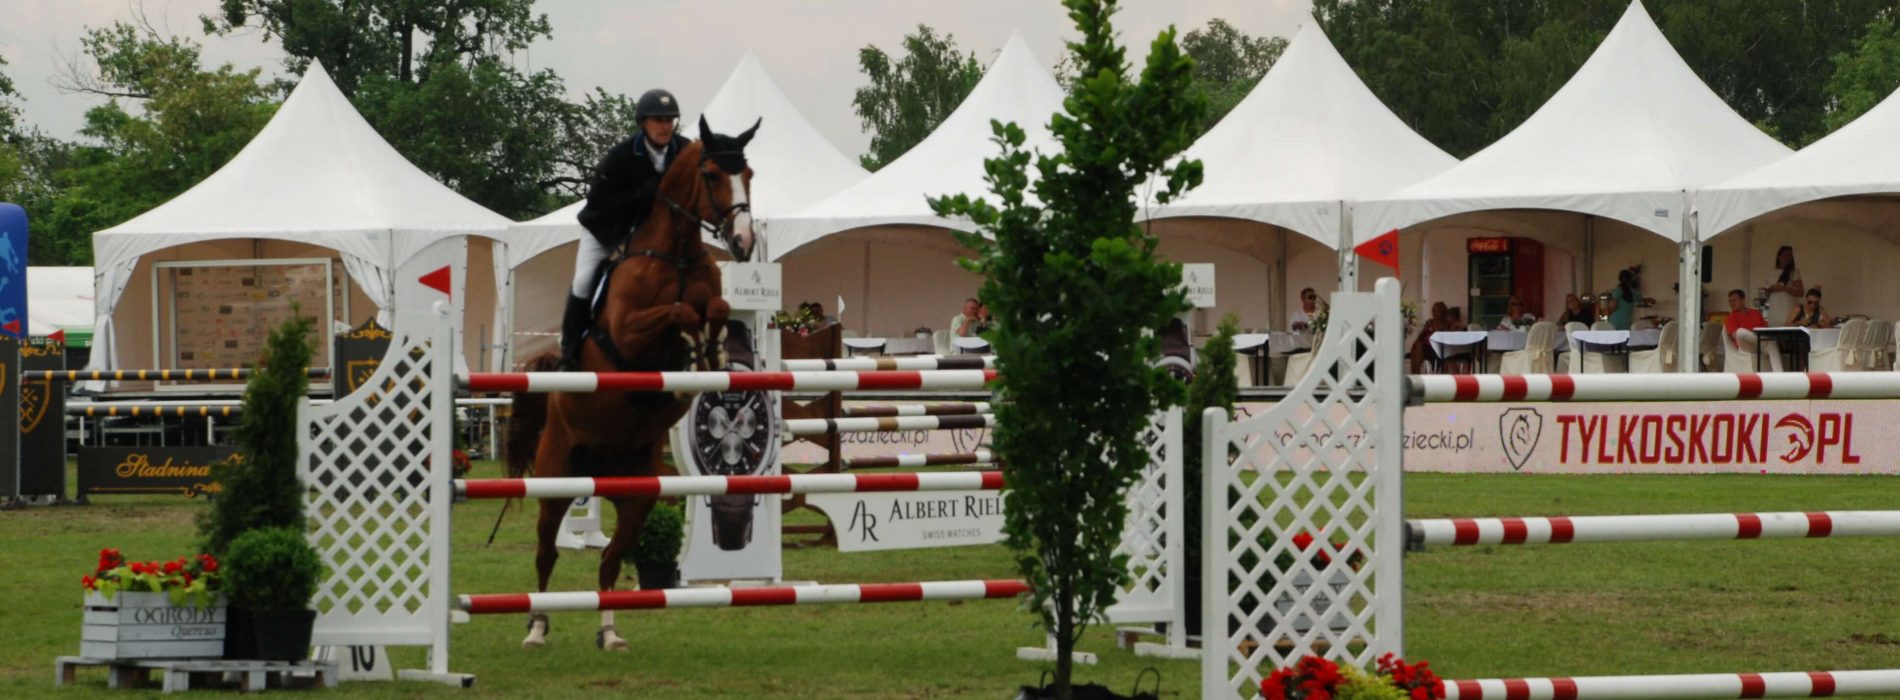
{"points": [[627, 46]]}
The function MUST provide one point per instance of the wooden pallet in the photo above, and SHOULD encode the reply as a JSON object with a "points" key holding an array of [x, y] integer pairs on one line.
{"points": [[184, 674]]}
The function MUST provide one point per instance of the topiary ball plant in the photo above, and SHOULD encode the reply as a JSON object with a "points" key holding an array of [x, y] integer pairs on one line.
{"points": [[272, 570], [657, 554]]}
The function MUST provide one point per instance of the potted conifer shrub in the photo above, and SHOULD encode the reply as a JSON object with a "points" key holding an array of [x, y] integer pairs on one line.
{"points": [[258, 486], [656, 557], [272, 573]]}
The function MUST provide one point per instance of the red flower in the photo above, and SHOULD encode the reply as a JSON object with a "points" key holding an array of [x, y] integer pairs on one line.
{"points": [[210, 562], [172, 567], [87, 581]]}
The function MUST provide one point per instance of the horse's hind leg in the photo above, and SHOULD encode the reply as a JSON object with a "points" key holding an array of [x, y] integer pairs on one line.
{"points": [[547, 528]]}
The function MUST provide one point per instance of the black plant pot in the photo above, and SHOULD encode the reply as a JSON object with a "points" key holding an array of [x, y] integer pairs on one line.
{"points": [[1083, 691], [653, 578], [283, 635], [240, 635]]}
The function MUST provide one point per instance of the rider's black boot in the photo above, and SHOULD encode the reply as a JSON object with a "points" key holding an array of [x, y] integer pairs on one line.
{"points": [[573, 324]]}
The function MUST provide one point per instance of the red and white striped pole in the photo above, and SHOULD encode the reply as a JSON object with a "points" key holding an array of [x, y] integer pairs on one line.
{"points": [[700, 382], [722, 597], [584, 487], [1709, 386], [1653, 528], [929, 409], [921, 460], [821, 426], [889, 363], [1815, 684]]}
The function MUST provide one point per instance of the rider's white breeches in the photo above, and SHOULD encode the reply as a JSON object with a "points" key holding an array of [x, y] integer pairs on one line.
{"points": [[587, 258]]}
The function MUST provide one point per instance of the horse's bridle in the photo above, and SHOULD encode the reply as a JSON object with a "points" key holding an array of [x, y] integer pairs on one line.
{"points": [[689, 222]]}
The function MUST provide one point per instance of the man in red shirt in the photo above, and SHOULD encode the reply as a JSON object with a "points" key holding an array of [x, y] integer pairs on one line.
{"points": [[1740, 316]]}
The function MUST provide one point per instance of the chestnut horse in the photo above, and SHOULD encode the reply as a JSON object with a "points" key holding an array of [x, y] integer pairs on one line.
{"points": [[662, 312]]}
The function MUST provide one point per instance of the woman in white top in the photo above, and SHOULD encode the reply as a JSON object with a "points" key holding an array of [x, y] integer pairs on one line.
{"points": [[1303, 314], [1784, 293]]}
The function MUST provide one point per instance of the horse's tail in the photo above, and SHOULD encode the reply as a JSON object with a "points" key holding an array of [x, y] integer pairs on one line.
{"points": [[529, 417]]}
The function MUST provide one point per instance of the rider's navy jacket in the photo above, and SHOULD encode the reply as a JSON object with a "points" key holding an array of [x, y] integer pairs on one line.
{"points": [[624, 188]]}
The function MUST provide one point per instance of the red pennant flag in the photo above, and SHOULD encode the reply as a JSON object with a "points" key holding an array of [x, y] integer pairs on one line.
{"points": [[437, 280], [12, 327], [58, 336], [1383, 250]]}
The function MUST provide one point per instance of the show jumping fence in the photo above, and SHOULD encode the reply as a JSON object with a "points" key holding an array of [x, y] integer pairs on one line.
{"points": [[980, 456], [931, 409], [1335, 440], [387, 551]]}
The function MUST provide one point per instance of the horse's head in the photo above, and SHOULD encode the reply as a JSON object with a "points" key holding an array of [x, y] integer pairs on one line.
{"points": [[728, 181]]}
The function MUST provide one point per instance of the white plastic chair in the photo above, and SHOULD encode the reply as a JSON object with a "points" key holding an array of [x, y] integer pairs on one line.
{"points": [[1739, 353], [941, 341], [1713, 333], [1538, 355], [1568, 356], [1659, 360], [1873, 354], [1845, 355], [1603, 325]]}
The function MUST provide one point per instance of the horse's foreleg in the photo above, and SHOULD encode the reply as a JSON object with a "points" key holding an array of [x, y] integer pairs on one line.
{"points": [[547, 528], [713, 358], [629, 515]]}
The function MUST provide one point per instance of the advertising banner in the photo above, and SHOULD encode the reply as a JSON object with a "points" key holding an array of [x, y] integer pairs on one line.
{"points": [[876, 521], [149, 469]]}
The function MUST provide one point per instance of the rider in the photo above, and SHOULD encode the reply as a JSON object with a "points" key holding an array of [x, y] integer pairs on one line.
{"points": [[619, 199]]}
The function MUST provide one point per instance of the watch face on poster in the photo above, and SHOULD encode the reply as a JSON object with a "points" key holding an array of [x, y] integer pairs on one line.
{"points": [[733, 433]]}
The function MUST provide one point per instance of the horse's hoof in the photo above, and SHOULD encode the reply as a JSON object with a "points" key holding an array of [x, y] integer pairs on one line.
{"points": [[537, 632], [608, 640]]}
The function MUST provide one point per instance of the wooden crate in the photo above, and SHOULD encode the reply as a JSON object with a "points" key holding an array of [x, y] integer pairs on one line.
{"points": [[137, 625]]}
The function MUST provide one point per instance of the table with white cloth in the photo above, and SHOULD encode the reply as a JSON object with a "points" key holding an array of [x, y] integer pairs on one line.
{"points": [[910, 345], [1267, 352], [1508, 341], [1796, 342], [1449, 343], [970, 345]]}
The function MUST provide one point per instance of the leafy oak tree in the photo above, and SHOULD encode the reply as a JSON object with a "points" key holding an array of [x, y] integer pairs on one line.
{"points": [[909, 96]]}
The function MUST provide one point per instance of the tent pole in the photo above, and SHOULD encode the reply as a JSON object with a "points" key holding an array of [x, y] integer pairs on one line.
{"points": [[1689, 291], [1348, 263]]}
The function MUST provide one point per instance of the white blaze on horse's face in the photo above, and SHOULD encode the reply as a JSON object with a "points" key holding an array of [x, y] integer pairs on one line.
{"points": [[742, 222]]}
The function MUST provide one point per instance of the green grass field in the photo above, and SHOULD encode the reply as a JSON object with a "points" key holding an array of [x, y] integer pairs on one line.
{"points": [[1473, 612]]}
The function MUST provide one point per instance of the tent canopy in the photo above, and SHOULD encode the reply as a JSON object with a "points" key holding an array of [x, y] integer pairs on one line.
{"points": [[793, 165], [1860, 158], [1016, 88], [1624, 139], [1308, 137], [317, 173], [58, 298]]}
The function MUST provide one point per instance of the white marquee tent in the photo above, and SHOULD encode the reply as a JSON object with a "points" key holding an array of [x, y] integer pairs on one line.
{"points": [[316, 182], [1835, 202], [1307, 140], [1624, 141], [878, 245], [793, 166]]}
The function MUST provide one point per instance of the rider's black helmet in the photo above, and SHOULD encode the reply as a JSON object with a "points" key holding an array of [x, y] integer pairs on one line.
{"points": [[657, 103]]}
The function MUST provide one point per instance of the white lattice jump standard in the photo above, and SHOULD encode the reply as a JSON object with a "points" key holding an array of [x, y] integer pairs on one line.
{"points": [[821, 426], [1814, 684], [721, 597], [1653, 528], [1706, 386], [583, 487], [929, 409], [980, 456], [889, 363], [1339, 435], [700, 382]]}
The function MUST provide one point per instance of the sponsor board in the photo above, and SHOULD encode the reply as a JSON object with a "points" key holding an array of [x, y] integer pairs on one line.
{"points": [[150, 469], [869, 522], [1738, 437], [1741, 437], [752, 286]]}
